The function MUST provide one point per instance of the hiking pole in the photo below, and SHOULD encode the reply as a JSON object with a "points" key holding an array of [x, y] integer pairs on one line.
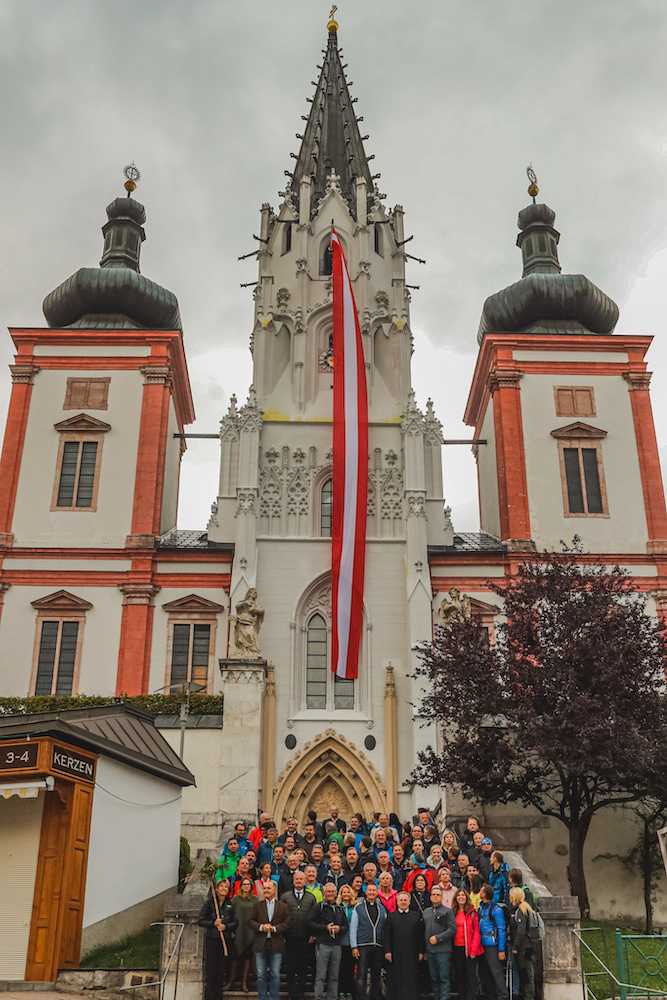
{"points": [[217, 911]]}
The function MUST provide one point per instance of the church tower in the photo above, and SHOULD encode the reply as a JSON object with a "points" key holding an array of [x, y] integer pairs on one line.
{"points": [[563, 404], [275, 495]]}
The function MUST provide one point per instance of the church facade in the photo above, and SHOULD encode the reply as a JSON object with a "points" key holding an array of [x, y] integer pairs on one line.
{"points": [[102, 594]]}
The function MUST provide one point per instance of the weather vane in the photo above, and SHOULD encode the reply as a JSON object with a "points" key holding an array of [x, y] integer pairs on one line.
{"points": [[533, 189], [132, 174]]}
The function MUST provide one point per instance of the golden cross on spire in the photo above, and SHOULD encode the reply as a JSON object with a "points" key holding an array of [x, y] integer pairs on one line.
{"points": [[333, 11], [333, 24]]}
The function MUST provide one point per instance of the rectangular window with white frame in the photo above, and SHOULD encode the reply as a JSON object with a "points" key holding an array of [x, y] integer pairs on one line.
{"points": [[581, 470]]}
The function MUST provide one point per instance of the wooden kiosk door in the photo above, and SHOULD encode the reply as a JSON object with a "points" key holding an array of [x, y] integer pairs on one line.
{"points": [[57, 910]]}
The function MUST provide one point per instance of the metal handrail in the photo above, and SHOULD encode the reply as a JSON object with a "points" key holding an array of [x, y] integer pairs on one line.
{"points": [[177, 947], [627, 986]]}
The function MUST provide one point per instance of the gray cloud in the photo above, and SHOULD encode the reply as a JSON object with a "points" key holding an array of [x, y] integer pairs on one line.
{"points": [[206, 95]]}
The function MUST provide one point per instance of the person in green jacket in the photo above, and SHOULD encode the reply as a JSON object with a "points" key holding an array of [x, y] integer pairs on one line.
{"points": [[312, 885], [332, 833], [228, 863]]}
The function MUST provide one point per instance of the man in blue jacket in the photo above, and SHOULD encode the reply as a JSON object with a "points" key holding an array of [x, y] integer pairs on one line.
{"points": [[492, 928], [366, 931]]}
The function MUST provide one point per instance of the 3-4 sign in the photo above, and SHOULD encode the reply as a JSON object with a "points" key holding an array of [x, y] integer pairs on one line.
{"points": [[18, 756]]}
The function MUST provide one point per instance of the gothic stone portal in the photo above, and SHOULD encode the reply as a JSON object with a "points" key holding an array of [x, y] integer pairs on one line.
{"points": [[328, 770]]}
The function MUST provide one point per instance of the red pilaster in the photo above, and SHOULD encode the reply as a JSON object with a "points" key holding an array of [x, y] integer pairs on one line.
{"points": [[510, 457], [23, 376], [136, 632], [149, 480], [649, 460]]}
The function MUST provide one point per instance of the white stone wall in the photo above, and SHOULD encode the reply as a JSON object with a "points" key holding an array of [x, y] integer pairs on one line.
{"points": [[134, 839], [101, 635], [625, 529], [160, 666], [171, 471], [487, 472], [35, 524]]}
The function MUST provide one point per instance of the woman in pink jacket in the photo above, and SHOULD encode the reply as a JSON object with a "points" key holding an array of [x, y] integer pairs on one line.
{"points": [[387, 894]]}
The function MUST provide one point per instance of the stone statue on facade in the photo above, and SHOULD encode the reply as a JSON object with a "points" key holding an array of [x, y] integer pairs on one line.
{"points": [[244, 628], [454, 607]]}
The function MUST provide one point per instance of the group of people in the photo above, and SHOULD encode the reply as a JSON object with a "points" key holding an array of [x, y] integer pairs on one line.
{"points": [[368, 908]]}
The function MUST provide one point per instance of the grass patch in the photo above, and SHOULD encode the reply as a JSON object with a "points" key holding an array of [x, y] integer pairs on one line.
{"points": [[600, 985], [136, 951]]}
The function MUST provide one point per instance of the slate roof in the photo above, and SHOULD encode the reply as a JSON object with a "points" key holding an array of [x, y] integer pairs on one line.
{"points": [[470, 541], [121, 731], [331, 140]]}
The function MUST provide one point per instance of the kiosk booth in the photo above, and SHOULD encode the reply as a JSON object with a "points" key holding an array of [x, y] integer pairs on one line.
{"points": [[90, 813]]}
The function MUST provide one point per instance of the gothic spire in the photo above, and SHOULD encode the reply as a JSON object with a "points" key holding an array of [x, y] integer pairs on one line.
{"points": [[331, 140]]}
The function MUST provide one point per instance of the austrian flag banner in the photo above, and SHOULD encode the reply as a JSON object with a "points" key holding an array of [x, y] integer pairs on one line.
{"points": [[350, 471]]}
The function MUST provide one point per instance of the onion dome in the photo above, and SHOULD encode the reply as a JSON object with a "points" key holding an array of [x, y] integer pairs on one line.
{"points": [[544, 300], [115, 295]]}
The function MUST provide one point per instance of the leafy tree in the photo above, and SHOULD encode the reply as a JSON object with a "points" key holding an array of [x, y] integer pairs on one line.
{"points": [[565, 713]]}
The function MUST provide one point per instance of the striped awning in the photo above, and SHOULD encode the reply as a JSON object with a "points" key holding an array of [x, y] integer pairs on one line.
{"points": [[26, 789]]}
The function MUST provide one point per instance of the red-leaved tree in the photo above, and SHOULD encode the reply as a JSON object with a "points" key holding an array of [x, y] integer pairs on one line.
{"points": [[566, 713]]}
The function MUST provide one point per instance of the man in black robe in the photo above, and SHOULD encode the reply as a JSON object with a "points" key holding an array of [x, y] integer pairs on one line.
{"points": [[404, 949]]}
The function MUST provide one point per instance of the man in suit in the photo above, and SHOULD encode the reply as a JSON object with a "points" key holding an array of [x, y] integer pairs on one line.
{"points": [[269, 920]]}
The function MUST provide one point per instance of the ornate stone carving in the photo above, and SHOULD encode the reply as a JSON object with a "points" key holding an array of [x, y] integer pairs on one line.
{"points": [[412, 421], [364, 267], [301, 266], [504, 378], [282, 297], [250, 415], [319, 601], [298, 494], [139, 593], [454, 608], [242, 675], [247, 501], [638, 381], [390, 683], [157, 375], [244, 628], [416, 503], [270, 497], [23, 374], [390, 494], [213, 519], [382, 299]]}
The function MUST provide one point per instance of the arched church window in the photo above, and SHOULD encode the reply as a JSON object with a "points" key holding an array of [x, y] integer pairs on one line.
{"points": [[316, 663], [323, 689], [287, 237], [378, 240], [326, 260], [326, 508]]}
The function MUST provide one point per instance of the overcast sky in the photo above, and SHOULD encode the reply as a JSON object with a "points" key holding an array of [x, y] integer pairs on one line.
{"points": [[458, 97]]}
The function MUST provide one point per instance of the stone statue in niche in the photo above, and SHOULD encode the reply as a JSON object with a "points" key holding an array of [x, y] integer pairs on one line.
{"points": [[454, 607], [244, 628]]}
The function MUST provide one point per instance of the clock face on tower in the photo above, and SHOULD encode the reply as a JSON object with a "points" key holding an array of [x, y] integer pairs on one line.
{"points": [[325, 360]]}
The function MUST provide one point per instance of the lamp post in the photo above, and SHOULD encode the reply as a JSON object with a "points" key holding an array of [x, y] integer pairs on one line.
{"points": [[187, 687]]}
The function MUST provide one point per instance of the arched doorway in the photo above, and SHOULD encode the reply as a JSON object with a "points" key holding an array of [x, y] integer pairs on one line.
{"points": [[328, 770]]}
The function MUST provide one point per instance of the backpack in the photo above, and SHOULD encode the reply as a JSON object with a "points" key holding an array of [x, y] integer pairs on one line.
{"points": [[536, 928]]}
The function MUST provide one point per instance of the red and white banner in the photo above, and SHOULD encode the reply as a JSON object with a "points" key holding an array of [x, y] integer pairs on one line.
{"points": [[350, 471]]}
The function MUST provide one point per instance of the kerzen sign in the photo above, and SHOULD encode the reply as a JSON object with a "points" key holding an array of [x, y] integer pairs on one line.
{"points": [[72, 763]]}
